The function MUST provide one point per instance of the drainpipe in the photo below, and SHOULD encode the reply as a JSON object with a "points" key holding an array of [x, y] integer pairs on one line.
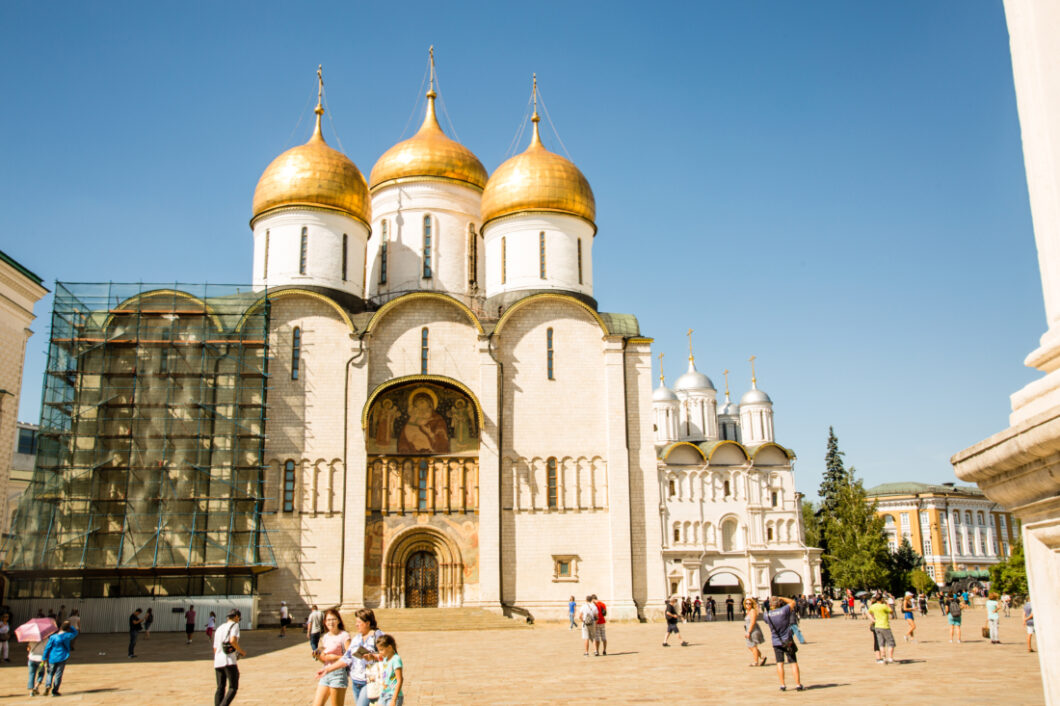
{"points": [[500, 458], [345, 466]]}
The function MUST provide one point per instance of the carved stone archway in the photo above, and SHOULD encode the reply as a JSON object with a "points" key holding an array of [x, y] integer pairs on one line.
{"points": [[445, 551]]}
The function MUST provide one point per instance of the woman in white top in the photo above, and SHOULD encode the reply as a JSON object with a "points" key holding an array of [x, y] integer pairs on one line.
{"points": [[5, 636], [36, 666], [333, 644], [225, 648]]}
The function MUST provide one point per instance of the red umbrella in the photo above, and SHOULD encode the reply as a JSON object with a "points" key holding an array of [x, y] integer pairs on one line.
{"points": [[35, 630]]}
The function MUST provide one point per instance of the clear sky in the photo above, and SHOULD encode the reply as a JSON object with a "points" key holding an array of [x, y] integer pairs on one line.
{"points": [[834, 187]]}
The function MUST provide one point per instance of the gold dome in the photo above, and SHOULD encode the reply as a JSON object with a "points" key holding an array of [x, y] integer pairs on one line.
{"points": [[429, 153], [313, 175], [538, 180]]}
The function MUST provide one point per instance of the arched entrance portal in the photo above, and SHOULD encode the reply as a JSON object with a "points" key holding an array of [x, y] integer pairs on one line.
{"points": [[722, 585], [786, 583], [421, 581]]}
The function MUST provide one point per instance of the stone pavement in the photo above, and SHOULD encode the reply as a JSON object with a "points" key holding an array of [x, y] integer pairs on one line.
{"points": [[544, 665]]}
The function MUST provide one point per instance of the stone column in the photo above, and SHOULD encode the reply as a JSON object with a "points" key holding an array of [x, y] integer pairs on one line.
{"points": [[490, 550], [622, 606], [355, 481]]}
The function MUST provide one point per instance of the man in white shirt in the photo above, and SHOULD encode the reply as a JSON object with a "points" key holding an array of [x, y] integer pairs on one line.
{"points": [[225, 650], [314, 626], [588, 616], [285, 618]]}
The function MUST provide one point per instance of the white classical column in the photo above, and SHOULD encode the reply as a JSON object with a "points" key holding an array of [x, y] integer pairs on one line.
{"points": [[354, 504], [618, 482], [489, 478]]}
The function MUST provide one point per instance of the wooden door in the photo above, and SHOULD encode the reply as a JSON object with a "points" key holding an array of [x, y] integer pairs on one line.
{"points": [[421, 581]]}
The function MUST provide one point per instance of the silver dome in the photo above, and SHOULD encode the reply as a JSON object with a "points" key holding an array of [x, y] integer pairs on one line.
{"points": [[754, 395], [730, 409], [693, 380], [663, 394]]}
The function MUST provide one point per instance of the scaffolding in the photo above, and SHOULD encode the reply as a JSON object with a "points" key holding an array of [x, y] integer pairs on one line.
{"points": [[151, 445]]}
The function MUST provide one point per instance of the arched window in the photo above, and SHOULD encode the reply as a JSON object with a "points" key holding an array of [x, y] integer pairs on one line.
{"points": [[967, 517], [303, 251], [553, 484], [427, 244], [579, 260], [550, 354], [727, 489], [773, 498], [288, 486], [421, 486], [296, 352], [677, 533], [472, 255], [265, 268], [345, 246], [980, 518], [424, 350], [769, 533], [956, 517], [729, 529], [673, 487], [504, 260], [541, 253], [382, 251]]}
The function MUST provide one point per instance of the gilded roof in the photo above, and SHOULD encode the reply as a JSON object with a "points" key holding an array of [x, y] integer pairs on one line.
{"points": [[538, 180], [314, 175], [429, 153]]}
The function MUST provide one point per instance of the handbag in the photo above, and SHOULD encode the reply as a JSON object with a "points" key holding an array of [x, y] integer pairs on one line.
{"points": [[226, 646], [986, 629], [374, 687], [789, 645]]}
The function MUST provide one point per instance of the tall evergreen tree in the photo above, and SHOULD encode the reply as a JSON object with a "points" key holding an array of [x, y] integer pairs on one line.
{"points": [[856, 555], [836, 475], [811, 524]]}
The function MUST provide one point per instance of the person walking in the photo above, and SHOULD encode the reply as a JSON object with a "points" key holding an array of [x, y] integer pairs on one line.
{"points": [[1006, 602], [5, 636], [285, 618], [333, 644], [135, 625], [226, 652], [366, 635], [55, 655], [992, 616], [730, 613], [601, 621], [953, 616], [784, 647], [907, 613], [712, 609], [393, 674], [1028, 622], [189, 623], [672, 618], [697, 609], [572, 607], [75, 623], [211, 626], [795, 630], [149, 618], [314, 628], [882, 614], [588, 617], [35, 662], [923, 601], [752, 632]]}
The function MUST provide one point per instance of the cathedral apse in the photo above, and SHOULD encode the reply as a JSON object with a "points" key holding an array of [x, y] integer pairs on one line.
{"points": [[421, 538]]}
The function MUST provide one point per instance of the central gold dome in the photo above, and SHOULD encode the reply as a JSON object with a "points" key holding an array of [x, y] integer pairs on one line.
{"points": [[428, 153], [538, 180], [313, 175]]}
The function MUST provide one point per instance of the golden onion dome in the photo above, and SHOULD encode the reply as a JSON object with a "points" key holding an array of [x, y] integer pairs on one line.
{"points": [[313, 175], [538, 180], [430, 154]]}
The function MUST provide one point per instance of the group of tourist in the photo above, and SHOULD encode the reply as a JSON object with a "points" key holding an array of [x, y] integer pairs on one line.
{"points": [[366, 662], [592, 617]]}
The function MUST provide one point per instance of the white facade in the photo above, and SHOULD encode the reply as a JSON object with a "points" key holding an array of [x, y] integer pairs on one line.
{"points": [[295, 247], [532, 251], [432, 233]]}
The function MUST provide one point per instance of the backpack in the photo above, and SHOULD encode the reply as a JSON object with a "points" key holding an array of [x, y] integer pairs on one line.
{"points": [[955, 608], [588, 618]]}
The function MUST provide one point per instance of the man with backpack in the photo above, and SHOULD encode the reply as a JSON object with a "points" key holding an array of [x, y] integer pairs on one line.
{"points": [[588, 616], [784, 647], [953, 616], [601, 619]]}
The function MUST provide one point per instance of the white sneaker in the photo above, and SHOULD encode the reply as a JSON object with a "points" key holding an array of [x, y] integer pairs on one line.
{"points": [[889, 660], [879, 661]]}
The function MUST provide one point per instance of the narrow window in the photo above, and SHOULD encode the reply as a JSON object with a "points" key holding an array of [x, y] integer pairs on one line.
{"points": [[774, 498], [541, 252], [288, 486], [728, 489], [345, 245], [302, 251], [673, 488], [677, 534], [769, 534], [424, 350], [421, 487], [553, 484], [472, 255], [563, 568], [296, 352], [551, 355], [265, 269], [382, 253], [504, 260], [579, 260], [426, 247]]}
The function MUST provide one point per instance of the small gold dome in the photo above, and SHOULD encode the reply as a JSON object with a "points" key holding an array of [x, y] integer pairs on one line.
{"points": [[538, 180], [428, 153], [313, 175]]}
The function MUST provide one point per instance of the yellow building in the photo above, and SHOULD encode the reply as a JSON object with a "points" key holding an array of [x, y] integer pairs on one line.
{"points": [[951, 526]]}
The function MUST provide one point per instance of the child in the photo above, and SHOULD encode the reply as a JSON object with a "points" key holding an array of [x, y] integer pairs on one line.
{"points": [[393, 678], [211, 623], [36, 666]]}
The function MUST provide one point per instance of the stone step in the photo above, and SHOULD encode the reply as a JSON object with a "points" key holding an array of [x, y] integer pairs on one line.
{"points": [[440, 619]]}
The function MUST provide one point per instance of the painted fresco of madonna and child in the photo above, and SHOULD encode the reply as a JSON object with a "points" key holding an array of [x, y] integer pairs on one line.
{"points": [[422, 419]]}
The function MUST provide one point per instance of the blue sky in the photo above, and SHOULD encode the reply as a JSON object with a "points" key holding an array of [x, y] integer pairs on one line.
{"points": [[834, 187]]}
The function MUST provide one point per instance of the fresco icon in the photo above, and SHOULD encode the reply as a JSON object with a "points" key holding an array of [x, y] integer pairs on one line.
{"points": [[422, 419]]}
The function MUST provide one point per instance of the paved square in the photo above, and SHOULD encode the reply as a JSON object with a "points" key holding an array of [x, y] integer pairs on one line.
{"points": [[544, 665]]}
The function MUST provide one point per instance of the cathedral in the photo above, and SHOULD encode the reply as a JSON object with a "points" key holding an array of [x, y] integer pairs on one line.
{"points": [[417, 403]]}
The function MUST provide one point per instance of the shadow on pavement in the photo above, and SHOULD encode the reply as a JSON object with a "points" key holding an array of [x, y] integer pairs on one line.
{"points": [[823, 686], [112, 648]]}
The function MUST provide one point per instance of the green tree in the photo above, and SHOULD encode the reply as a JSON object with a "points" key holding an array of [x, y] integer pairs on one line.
{"points": [[1010, 576], [856, 555], [904, 561], [836, 476], [811, 524], [921, 581]]}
